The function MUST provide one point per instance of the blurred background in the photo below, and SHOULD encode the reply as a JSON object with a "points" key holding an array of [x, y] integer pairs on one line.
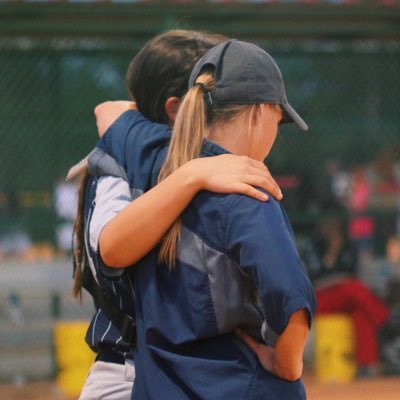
{"points": [[341, 180]]}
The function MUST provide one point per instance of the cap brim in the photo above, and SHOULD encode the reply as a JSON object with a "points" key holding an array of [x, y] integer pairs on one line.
{"points": [[292, 116]]}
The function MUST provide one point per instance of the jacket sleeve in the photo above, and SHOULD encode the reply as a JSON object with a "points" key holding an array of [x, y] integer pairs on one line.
{"points": [[260, 240], [135, 143]]}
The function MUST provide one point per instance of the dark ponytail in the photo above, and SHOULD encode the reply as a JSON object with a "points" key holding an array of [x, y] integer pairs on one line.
{"points": [[78, 239]]}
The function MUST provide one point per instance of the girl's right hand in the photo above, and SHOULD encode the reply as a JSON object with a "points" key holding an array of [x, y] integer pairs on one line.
{"points": [[229, 173]]}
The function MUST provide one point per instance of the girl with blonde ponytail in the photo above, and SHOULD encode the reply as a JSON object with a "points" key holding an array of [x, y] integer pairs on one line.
{"points": [[227, 271], [190, 129]]}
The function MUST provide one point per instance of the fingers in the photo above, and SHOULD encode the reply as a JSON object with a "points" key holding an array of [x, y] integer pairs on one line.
{"points": [[262, 182], [236, 174], [268, 183], [248, 190], [257, 164], [276, 192], [250, 342]]}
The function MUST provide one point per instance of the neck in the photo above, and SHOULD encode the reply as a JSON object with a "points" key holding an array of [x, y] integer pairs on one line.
{"points": [[231, 136]]}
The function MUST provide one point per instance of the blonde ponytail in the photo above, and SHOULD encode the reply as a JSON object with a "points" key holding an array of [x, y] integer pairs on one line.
{"points": [[187, 137]]}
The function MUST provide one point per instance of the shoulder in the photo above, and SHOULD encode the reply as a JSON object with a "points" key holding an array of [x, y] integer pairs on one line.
{"points": [[241, 206], [257, 221], [122, 125], [132, 121], [132, 131]]}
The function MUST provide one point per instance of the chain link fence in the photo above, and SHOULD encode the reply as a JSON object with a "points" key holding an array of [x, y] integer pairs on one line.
{"points": [[347, 167], [347, 93]]}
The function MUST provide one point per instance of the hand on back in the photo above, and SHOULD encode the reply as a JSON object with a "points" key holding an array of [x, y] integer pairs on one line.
{"points": [[230, 173]]}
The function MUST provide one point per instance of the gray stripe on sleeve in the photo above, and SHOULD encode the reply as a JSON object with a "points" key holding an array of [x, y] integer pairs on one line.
{"points": [[233, 294], [102, 164]]}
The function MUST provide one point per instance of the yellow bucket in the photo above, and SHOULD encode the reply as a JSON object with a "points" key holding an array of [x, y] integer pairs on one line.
{"points": [[73, 356], [334, 348]]}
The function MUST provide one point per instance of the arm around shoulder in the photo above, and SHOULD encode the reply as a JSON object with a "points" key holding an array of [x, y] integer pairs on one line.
{"points": [[140, 226]]}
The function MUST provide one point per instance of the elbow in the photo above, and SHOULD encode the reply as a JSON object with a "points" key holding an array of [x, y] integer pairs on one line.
{"points": [[115, 249], [292, 373], [110, 258], [101, 113], [109, 252], [291, 376], [100, 108]]}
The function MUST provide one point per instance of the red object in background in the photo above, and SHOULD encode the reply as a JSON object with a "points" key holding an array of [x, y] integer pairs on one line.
{"points": [[361, 227], [368, 313], [288, 181], [388, 188], [360, 191]]}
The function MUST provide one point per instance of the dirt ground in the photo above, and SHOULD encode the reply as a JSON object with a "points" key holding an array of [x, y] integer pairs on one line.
{"points": [[387, 388]]}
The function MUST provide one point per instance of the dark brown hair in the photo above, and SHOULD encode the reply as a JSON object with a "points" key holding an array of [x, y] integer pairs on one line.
{"points": [[162, 69], [159, 71]]}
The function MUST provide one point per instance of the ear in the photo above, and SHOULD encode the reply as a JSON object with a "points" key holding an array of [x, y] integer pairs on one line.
{"points": [[171, 108]]}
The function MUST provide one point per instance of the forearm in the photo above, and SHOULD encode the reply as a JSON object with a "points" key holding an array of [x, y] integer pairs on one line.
{"points": [[285, 360], [287, 356], [285, 367], [136, 230]]}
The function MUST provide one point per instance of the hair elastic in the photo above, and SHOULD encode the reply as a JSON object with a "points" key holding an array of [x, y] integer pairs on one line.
{"points": [[202, 85], [206, 91]]}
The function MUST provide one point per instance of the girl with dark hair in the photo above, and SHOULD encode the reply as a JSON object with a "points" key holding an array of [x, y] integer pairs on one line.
{"points": [[112, 231]]}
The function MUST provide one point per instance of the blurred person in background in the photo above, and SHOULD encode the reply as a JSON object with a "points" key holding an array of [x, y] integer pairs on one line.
{"points": [[147, 218], [390, 335], [361, 225], [333, 270], [339, 183], [65, 204]]}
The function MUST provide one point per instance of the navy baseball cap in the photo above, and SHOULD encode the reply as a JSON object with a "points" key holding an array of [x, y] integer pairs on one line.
{"points": [[245, 74]]}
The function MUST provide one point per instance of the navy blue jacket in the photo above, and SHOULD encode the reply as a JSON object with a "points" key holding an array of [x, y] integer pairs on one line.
{"points": [[108, 190], [237, 265]]}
